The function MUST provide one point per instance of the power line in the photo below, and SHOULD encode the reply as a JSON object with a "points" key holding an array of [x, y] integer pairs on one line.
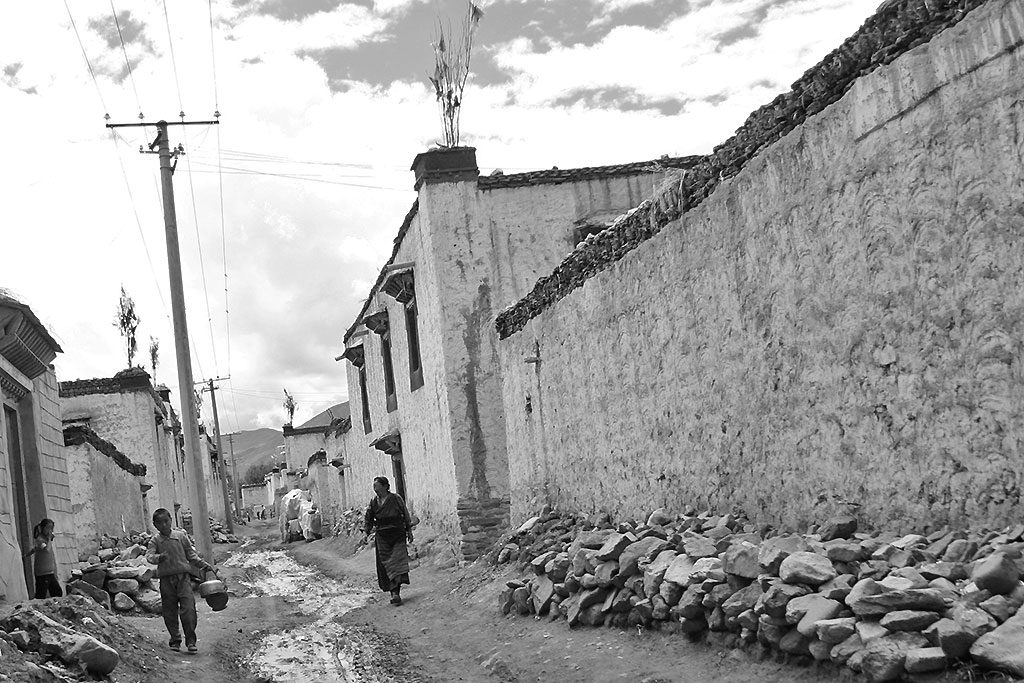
{"points": [[195, 347], [88, 64], [247, 171], [174, 62], [202, 261], [254, 171], [128, 63], [131, 198], [220, 194], [191, 188]]}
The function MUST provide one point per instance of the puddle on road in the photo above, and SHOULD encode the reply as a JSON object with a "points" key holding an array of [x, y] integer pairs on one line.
{"points": [[321, 650]]}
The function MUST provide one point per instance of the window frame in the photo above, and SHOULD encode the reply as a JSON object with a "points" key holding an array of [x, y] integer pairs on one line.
{"points": [[412, 333]]}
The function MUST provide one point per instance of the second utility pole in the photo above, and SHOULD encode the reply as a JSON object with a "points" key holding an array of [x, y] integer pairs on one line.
{"points": [[228, 521], [183, 357]]}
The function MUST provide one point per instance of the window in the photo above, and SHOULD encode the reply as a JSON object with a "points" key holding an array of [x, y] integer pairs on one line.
{"points": [[364, 401], [412, 330], [389, 373]]}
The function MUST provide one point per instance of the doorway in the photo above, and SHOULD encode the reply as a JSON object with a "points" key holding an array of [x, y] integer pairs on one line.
{"points": [[398, 472], [16, 468]]}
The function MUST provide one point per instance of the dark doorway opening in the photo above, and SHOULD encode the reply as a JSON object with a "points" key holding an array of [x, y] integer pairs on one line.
{"points": [[398, 474], [16, 467]]}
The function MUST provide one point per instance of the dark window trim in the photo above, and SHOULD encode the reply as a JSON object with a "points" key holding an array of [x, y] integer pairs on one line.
{"points": [[390, 389], [412, 331], [364, 401]]}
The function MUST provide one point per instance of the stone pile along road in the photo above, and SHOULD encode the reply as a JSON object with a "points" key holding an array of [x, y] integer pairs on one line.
{"points": [[881, 604]]}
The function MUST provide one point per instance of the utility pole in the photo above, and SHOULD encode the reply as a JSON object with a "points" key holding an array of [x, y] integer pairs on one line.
{"points": [[228, 519], [194, 463], [234, 475]]}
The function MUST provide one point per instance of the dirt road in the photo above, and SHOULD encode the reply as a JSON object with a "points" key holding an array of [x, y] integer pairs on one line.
{"points": [[449, 625], [322, 619]]}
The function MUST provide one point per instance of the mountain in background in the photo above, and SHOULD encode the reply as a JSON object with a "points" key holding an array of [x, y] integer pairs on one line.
{"points": [[254, 447]]}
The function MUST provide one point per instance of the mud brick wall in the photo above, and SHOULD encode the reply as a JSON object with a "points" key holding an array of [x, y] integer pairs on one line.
{"points": [[825, 315]]}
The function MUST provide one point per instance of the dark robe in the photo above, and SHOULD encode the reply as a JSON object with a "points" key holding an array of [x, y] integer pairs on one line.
{"points": [[391, 521]]}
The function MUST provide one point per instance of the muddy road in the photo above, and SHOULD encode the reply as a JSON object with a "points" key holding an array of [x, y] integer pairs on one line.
{"points": [[321, 648], [311, 612]]}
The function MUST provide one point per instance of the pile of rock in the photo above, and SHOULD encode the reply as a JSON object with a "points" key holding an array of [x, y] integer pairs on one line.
{"points": [[31, 640], [114, 547], [219, 535], [348, 523], [125, 583], [878, 603]]}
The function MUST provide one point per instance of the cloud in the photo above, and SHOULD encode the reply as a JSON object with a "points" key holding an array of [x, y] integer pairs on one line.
{"points": [[620, 98], [324, 105]]}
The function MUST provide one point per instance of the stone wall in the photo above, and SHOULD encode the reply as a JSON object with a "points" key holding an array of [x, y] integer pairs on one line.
{"points": [[106, 497], [836, 326], [326, 486], [129, 419], [298, 447], [254, 495]]}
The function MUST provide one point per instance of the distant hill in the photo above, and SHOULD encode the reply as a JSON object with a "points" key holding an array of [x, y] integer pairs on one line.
{"points": [[255, 446]]}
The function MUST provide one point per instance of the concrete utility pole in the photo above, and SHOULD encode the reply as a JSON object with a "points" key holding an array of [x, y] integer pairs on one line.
{"points": [[194, 463], [234, 475], [228, 518]]}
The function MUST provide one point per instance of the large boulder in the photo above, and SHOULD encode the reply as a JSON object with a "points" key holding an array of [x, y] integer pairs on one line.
{"points": [[741, 600], [924, 659], [641, 550], [123, 603], [50, 637], [543, 591], [807, 568], [696, 547], [613, 546], [835, 631], [129, 586], [679, 570], [98, 659], [777, 597], [741, 560], [909, 620], [928, 599], [817, 610], [87, 589], [773, 551], [840, 526], [149, 600], [997, 573], [1003, 648], [884, 657]]}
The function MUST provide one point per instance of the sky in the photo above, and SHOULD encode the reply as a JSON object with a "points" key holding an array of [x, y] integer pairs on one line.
{"points": [[287, 210]]}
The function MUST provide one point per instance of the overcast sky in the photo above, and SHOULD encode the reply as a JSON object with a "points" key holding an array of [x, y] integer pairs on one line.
{"points": [[334, 96]]}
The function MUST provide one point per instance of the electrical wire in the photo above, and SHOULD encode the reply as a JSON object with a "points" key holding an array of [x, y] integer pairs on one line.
{"points": [[194, 351], [220, 193], [88, 64], [246, 171], [131, 198], [191, 187], [174, 62], [202, 261], [128, 63]]}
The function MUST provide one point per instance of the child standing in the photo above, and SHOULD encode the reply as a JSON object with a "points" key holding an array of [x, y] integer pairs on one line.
{"points": [[47, 585], [172, 552]]}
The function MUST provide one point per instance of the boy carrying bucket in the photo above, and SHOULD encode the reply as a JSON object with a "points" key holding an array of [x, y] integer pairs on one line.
{"points": [[172, 552]]}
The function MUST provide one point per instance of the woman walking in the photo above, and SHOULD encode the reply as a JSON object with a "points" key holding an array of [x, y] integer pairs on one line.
{"points": [[47, 585], [388, 515]]}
